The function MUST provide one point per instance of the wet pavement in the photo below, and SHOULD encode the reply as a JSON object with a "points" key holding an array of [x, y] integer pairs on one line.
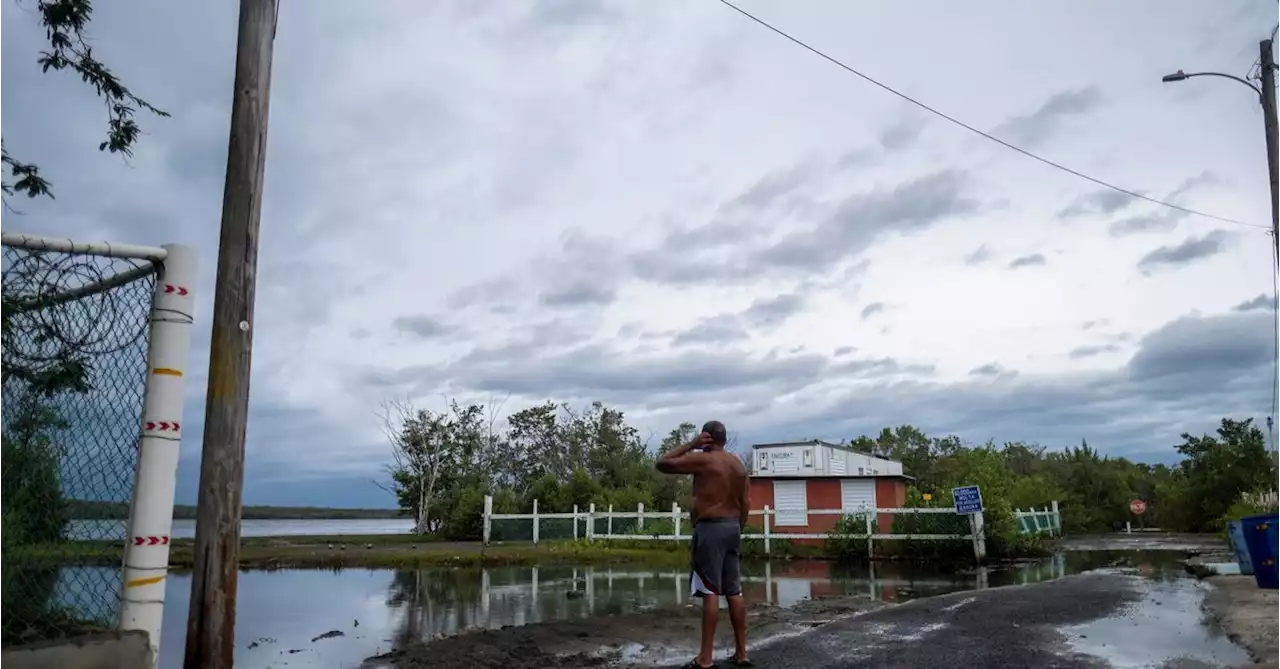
{"points": [[1093, 620]]}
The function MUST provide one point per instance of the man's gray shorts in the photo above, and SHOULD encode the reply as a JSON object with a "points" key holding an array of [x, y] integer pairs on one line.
{"points": [[717, 546]]}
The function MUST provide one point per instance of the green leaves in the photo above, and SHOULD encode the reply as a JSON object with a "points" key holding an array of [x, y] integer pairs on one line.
{"points": [[64, 22]]}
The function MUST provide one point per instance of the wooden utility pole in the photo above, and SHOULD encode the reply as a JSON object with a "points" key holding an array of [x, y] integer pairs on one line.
{"points": [[1267, 73], [211, 621], [1267, 78]]}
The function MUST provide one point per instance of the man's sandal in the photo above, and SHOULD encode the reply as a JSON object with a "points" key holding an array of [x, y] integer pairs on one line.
{"points": [[739, 663]]}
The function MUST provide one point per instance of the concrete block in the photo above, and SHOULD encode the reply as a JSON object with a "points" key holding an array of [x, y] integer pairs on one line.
{"points": [[105, 650]]}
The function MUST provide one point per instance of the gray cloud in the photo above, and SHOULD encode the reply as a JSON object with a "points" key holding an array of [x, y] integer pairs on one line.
{"points": [[1206, 347], [721, 330], [579, 294], [978, 256], [844, 350], [872, 309], [1160, 221], [1190, 250], [1089, 325], [859, 219], [989, 369], [1091, 350], [901, 134], [1031, 129], [422, 326], [1032, 260], [1104, 201], [1263, 301], [1201, 180], [772, 311]]}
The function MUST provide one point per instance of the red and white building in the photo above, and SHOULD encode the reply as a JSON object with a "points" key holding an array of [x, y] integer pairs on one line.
{"points": [[795, 477]]}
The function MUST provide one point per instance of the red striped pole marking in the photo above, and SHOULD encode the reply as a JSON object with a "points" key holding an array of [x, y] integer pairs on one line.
{"points": [[151, 541]]}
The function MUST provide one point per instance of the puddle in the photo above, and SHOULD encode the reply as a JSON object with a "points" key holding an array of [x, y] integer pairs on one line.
{"points": [[1166, 628]]}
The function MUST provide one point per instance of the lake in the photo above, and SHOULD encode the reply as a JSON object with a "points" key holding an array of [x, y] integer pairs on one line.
{"points": [[186, 528], [279, 613]]}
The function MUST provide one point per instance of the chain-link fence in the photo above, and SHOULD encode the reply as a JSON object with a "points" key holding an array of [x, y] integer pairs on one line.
{"points": [[75, 331]]}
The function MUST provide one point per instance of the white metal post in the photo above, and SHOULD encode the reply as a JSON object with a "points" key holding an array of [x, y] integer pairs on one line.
{"points": [[488, 518], [535, 522], [978, 527], [871, 553], [675, 518], [766, 529], [146, 553], [1057, 519], [609, 526], [575, 522], [640, 516], [591, 522]]}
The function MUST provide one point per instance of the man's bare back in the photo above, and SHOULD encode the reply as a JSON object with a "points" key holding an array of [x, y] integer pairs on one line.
{"points": [[720, 487]]}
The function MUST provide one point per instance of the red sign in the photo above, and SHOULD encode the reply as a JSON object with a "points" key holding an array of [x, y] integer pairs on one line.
{"points": [[1138, 507]]}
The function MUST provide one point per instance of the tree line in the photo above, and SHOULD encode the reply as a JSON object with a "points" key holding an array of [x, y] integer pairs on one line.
{"points": [[445, 462]]}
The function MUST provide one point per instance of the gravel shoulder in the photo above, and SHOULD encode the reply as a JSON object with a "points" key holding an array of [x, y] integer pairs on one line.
{"points": [[1248, 614]]}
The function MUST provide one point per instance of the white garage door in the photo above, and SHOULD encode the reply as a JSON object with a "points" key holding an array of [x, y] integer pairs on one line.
{"points": [[857, 494], [789, 499]]}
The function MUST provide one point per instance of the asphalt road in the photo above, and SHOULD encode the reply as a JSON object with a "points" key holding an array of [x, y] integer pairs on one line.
{"points": [[1133, 621]]}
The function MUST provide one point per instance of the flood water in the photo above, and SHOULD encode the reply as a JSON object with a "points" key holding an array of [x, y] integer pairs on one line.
{"points": [[186, 528], [281, 612]]}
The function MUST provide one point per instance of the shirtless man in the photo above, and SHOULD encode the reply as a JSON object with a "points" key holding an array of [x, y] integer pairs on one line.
{"points": [[721, 501]]}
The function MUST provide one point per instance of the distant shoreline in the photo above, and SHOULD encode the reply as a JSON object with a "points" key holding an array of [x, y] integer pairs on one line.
{"points": [[92, 510]]}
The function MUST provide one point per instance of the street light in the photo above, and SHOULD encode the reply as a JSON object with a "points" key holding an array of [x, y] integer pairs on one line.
{"points": [[1183, 76], [1267, 70]]}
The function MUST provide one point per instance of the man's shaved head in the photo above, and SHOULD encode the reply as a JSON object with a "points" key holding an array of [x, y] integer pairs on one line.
{"points": [[716, 429]]}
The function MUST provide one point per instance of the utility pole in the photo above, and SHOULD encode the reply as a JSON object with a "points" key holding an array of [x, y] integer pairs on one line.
{"points": [[211, 620], [1267, 72], [1267, 76]]}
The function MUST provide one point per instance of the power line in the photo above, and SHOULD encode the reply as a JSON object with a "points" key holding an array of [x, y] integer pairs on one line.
{"points": [[966, 126]]}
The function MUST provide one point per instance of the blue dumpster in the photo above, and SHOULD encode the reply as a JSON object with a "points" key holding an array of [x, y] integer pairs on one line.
{"points": [[1235, 532], [1261, 538]]}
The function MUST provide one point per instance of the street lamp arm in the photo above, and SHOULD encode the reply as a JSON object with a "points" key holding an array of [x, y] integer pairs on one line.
{"points": [[1180, 75]]}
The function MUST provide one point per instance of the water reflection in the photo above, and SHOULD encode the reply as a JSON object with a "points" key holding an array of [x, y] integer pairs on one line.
{"points": [[281, 612]]}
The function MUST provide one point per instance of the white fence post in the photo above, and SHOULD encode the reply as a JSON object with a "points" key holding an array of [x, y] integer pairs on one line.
{"points": [[488, 518], [1057, 518], [575, 522], [675, 518], [871, 554], [591, 522], [609, 524], [146, 553], [535, 521], [766, 529], [640, 516]]}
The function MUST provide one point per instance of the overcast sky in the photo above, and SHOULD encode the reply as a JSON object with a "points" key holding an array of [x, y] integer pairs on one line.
{"points": [[665, 207]]}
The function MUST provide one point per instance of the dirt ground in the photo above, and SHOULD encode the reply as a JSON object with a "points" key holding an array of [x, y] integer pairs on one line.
{"points": [[663, 636], [1248, 614]]}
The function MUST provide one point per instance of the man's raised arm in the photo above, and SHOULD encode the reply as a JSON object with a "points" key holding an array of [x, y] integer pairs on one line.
{"points": [[744, 501], [681, 459]]}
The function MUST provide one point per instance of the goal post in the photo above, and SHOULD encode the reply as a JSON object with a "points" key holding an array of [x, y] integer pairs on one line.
{"points": [[96, 344]]}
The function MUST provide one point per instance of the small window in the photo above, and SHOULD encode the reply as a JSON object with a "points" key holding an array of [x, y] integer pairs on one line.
{"points": [[861, 471], [764, 462], [808, 457]]}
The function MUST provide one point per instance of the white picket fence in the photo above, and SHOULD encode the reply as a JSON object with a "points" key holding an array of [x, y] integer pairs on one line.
{"points": [[767, 532], [1035, 521]]}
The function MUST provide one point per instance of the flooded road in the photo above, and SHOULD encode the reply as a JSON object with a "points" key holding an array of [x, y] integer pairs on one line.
{"points": [[281, 612]]}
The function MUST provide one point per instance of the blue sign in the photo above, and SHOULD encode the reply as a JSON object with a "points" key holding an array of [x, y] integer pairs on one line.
{"points": [[968, 499]]}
